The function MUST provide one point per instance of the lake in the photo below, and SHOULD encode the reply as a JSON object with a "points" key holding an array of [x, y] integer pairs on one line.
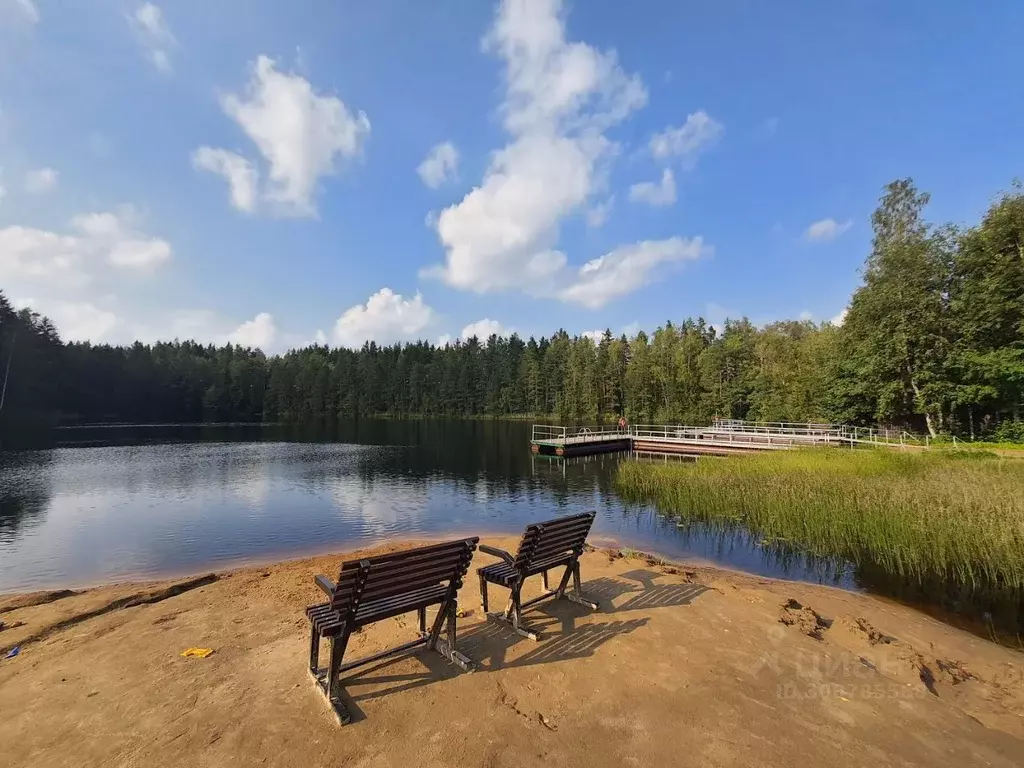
{"points": [[143, 502]]}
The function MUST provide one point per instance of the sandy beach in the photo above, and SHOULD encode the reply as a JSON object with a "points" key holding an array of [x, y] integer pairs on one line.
{"points": [[682, 666]]}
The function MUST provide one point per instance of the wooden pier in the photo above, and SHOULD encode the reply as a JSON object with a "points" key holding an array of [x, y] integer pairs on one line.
{"points": [[579, 441], [723, 438]]}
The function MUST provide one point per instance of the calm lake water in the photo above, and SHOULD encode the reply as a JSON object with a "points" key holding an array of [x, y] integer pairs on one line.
{"points": [[127, 502]]}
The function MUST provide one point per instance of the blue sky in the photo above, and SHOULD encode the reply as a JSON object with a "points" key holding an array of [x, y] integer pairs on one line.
{"points": [[275, 173]]}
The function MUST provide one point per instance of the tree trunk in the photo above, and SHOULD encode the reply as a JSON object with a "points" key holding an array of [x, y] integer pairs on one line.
{"points": [[927, 416]]}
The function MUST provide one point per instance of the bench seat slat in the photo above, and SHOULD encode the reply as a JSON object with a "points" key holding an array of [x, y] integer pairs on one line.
{"points": [[506, 573]]}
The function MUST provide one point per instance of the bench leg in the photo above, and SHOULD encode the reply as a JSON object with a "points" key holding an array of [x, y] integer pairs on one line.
{"points": [[577, 595], [483, 592], [423, 621], [513, 615], [327, 681], [314, 652], [447, 647]]}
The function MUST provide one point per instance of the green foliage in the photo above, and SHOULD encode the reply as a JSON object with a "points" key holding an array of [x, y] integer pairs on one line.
{"points": [[952, 515]]}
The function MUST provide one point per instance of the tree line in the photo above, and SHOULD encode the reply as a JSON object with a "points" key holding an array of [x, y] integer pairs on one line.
{"points": [[933, 339]]}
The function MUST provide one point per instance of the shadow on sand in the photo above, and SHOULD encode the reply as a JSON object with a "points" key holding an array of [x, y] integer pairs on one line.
{"points": [[569, 631]]}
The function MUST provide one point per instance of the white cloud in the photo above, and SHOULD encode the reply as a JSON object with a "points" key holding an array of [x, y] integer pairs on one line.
{"points": [[301, 135], [483, 329], [40, 180], [595, 336], [440, 165], [123, 246], [3, 192], [162, 61], [826, 229], [139, 254], [81, 321], [386, 318], [598, 214], [840, 318], [559, 99], [154, 36], [655, 193], [259, 332], [242, 177], [806, 315], [56, 268], [27, 10], [35, 255], [627, 268], [444, 339], [688, 140]]}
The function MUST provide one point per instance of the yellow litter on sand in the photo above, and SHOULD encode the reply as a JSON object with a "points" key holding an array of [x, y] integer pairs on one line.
{"points": [[202, 653]]}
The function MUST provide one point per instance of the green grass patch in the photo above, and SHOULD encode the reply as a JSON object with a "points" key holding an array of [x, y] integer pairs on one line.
{"points": [[953, 515]]}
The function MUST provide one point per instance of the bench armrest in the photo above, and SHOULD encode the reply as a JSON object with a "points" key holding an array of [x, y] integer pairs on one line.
{"points": [[325, 584], [497, 553]]}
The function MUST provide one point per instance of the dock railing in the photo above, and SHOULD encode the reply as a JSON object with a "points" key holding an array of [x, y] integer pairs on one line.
{"points": [[730, 432], [543, 433], [821, 433], [682, 433], [549, 433]]}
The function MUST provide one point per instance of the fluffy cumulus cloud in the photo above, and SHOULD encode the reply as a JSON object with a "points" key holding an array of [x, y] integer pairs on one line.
{"points": [[71, 258], [440, 165], [826, 229], [40, 180], [655, 193], [301, 135], [385, 318], [560, 96], [154, 36], [59, 268], [241, 175], [595, 335], [484, 329], [840, 318], [688, 140], [628, 268], [259, 332], [560, 99], [82, 320]]}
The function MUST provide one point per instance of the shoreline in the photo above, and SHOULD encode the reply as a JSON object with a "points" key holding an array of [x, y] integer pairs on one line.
{"points": [[601, 543], [816, 674]]}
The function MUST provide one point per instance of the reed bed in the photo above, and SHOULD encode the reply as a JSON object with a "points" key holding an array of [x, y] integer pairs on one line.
{"points": [[953, 515]]}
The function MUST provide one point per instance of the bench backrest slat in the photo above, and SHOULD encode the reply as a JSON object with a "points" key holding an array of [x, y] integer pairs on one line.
{"points": [[397, 573], [542, 541]]}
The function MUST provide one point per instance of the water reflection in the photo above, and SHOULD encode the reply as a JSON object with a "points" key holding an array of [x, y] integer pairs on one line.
{"points": [[24, 492], [121, 502]]}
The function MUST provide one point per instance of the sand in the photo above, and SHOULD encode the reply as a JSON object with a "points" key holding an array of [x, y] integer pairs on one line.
{"points": [[682, 666]]}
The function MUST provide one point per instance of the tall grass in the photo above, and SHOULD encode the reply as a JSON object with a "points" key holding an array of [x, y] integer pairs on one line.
{"points": [[953, 515]]}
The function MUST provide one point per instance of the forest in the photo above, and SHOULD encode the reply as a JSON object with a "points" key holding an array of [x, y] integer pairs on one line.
{"points": [[933, 341]]}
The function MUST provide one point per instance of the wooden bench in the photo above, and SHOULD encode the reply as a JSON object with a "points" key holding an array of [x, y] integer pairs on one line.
{"points": [[544, 546], [377, 588]]}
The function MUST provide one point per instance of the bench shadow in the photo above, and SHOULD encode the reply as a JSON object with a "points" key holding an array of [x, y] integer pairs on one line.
{"points": [[385, 680], [651, 595], [489, 643]]}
